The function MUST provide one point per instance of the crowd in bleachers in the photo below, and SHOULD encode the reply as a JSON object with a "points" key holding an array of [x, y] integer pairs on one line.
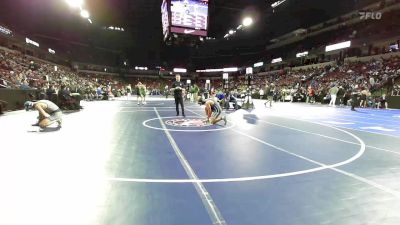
{"points": [[66, 87], [372, 79], [54, 82]]}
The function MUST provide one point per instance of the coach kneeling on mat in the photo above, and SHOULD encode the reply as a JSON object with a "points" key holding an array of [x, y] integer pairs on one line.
{"points": [[49, 112]]}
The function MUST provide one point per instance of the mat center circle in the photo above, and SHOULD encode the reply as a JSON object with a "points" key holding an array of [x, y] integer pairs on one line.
{"points": [[187, 122]]}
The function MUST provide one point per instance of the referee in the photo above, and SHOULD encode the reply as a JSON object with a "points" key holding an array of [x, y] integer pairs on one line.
{"points": [[177, 88], [354, 97]]}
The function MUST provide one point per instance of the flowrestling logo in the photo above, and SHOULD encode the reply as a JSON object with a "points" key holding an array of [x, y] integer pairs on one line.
{"points": [[370, 15], [187, 123]]}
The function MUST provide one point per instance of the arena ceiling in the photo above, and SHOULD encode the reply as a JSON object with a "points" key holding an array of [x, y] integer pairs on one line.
{"points": [[142, 40]]}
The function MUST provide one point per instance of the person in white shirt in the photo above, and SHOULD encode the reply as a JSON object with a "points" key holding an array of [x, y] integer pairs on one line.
{"points": [[333, 92], [372, 81], [261, 93]]}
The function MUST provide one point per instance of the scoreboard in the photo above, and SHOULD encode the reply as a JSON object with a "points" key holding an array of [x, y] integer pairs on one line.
{"points": [[188, 17], [165, 18], [190, 14]]}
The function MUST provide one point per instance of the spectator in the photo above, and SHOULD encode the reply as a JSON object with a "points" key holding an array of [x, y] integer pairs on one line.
{"points": [[3, 105], [333, 94]]}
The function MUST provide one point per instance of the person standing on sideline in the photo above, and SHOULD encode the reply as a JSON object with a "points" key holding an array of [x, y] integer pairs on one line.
{"points": [[2, 106], [261, 93], [354, 97], [269, 91], [128, 91], [137, 87], [178, 88], [141, 93], [364, 95], [333, 92], [166, 91]]}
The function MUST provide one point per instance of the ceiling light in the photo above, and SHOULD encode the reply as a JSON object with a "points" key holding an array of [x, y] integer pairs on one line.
{"points": [[247, 21], [85, 14], [231, 69], [258, 64], [75, 3], [231, 32], [180, 70], [276, 4]]}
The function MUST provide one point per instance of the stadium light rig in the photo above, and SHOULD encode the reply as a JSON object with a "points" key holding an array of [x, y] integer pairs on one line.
{"points": [[301, 54], [277, 60], [338, 46], [29, 41], [140, 68], [230, 69], [247, 21], [85, 14], [180, 70], [278, 3], [210, 70], [79, 4], [225, 70], [259, 64], [75, 3], [115, 28]]}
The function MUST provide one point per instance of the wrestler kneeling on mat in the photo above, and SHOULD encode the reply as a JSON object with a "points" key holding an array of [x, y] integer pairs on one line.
{"points": [[213, 111], [49, 112]]}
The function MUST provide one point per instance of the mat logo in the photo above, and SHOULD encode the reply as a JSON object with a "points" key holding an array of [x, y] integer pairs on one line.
{"points": [[370, 15], [187, 123]]}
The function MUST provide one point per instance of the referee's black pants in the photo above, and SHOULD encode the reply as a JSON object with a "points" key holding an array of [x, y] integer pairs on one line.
{"points": [[354, 98], [179, 100]]}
